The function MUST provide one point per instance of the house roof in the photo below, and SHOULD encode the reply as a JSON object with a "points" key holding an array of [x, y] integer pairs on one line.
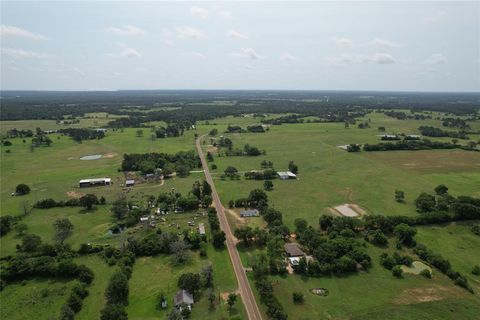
{"points": [[287, 174], [182, 296], [130, 181], [293, 250]]}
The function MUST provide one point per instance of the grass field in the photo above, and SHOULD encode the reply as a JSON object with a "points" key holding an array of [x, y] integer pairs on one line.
{"points": [[34, 299], [329, 176], [456, 243]]}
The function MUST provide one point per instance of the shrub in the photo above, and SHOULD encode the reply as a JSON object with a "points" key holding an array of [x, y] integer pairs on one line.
{"points": [[426, 273], [297, 297], [397, 271], [476, 270], [22, 189]]}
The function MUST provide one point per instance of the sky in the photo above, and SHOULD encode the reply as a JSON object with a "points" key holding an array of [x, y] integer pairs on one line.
{"points": [[388, 46]]}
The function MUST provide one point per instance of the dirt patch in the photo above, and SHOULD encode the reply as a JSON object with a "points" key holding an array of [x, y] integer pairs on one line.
{"points": [[239, 221], [110, 155], [348, 210], [74, 194], [416, 268], [212, 149], [419, 295]]}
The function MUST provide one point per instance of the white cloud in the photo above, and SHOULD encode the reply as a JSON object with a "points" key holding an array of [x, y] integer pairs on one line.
{"points": [[169, 43], [126, 52], [287, 57], [20, 53], [345, 59], [198, 55], [343, 41], [435, 17], [247, 53], [12, 31], [199, 12], [225, 15], [78, 71], [189, 32], [385, 44], [380, 58], [436, 58], [234, 34], [126, 30], [248, 67]]}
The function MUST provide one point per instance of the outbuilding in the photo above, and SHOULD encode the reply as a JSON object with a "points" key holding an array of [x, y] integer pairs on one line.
{"points": [[285, 175], [129, 183], [201, 229], [183, 297], [249, 213], [292, 249], [94, 182]]}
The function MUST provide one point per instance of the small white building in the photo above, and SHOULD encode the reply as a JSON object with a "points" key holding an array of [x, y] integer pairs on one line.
{"points": [[285, 175], [129, 183], [94, 182], [201, 229]]}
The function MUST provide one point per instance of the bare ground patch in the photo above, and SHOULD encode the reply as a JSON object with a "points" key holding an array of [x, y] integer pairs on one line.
{"points": [[212, 149], [348, 210], [419, 295], [110, 155], [74, 194]]}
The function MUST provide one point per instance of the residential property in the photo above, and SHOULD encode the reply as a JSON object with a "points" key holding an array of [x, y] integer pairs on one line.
{"points": [[201, 229], [293, 250], [129, 183], [249, 213], [94, 182], [183, 297], [100, 130], [285, 175]]}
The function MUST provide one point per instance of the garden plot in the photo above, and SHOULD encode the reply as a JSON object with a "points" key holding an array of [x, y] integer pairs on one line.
{"points": [[349, 210]]}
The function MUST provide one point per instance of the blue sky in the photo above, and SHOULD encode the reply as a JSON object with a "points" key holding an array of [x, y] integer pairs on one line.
{"points": [[400, 46]]}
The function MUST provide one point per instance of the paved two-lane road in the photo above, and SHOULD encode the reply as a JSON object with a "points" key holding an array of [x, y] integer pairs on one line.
{"points": [[243, 285]]}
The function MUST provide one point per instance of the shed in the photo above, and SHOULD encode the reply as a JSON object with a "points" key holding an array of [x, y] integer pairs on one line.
{"points": [[183, 297], [94, 182], [249, 213], [129, 183], [285, 175], [201, 228], [293, 250]]}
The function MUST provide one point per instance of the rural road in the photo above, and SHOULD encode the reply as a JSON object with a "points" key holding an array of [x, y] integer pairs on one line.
{"points": [[246, 293]]}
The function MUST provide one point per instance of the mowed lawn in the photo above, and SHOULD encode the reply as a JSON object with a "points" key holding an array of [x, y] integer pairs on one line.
{"points": [[329, 176], [456, 243]]}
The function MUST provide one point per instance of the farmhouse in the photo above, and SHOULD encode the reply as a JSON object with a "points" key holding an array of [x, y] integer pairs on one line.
{"points": [[129, 183], [183, 297], [249, 213], [285, 175], [94, 182], [293, 250], [201, 229]]}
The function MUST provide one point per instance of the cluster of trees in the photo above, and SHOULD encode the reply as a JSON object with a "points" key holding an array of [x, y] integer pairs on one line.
{"points": [[267, 174], [218, 236], [256, 128], [390, 261], [200, 195], [174, 130], [15, 133], [265, 289], [334, 246], [235, 129], [74, 302], [117, 290], [430, 131], [87, 201], [203, 192], [462, 207], [248, 150], [41, 139], [400, 115], [424, 144], [22, 189], [456, 123], [181, 162], [19, 268], [80, 134]]}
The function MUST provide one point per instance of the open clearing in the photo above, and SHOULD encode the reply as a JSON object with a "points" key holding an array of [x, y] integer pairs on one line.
{"points": [[349, 210], [416, 268]]}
